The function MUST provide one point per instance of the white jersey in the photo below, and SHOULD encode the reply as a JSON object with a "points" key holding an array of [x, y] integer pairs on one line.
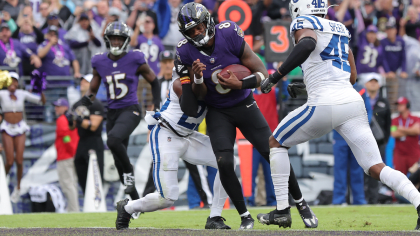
{"points": [[171, 112], [326, 72]]}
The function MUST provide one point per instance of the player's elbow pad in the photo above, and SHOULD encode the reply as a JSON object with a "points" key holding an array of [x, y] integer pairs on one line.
{"points": [[299, 54], [188, 101]]}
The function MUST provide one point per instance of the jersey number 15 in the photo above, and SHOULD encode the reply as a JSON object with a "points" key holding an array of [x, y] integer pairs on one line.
{"points": [[111, 79], [337, 51]]}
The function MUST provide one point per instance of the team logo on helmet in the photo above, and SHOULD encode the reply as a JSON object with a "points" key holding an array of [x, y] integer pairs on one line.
{"points": [[199, 10], [295, 1]]}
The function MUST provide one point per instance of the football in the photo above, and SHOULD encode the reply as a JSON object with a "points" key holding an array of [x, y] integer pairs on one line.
{"points": [[239, 70]]}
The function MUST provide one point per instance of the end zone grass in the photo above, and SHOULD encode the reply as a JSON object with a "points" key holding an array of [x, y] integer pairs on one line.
{"points": [[365, 218]]}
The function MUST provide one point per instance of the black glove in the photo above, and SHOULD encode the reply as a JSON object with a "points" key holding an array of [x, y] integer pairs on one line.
{"points": [[181, 69], [295, 89], [85, 101], [268, 83], [79, 120], [70, 117]]}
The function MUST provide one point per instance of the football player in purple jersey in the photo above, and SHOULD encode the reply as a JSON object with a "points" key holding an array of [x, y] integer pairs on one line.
{"points": [[206, 50], [119, 70]]}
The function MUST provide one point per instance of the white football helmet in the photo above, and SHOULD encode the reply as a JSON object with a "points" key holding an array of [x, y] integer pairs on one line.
{"points": [[308, 7]]}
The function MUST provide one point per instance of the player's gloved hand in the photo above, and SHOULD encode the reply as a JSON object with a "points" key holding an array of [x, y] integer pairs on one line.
{"points": [[70, 117], [295, 89], [181, 69], [85, 101], [79, 120], [268, 83]]}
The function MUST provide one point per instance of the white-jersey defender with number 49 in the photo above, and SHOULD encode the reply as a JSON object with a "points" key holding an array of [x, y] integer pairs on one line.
{"points": [[327, 70]]}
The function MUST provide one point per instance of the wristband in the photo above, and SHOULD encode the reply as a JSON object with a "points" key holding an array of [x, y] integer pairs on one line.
{"points": [[198, 81], [185, 80], [262, 77], [249, 82]]}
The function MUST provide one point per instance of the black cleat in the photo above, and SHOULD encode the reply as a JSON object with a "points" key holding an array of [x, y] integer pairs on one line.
{"points": [[281, 218], [129, 183], [418, 219], [307, 215], [247, 222], [216, 222], [123, 218]]}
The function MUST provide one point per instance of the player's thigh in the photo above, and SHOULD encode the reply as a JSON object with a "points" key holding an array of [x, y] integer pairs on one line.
{"points": [[125, 123], [359, 137], [221, 129], [199, 151], [254, 127], [165, 154], [303, 124]]}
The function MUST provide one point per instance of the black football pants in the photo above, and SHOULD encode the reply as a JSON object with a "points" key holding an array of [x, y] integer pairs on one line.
{"points": [[221, 125]]}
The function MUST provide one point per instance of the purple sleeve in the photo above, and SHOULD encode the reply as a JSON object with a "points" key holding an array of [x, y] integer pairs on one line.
{"points": [[182, 53], [139, 57], [71, 54], [76, 44], [26, 52], [347, 16], [234, 36], [404, 58], [385, 65], [94, 60]]}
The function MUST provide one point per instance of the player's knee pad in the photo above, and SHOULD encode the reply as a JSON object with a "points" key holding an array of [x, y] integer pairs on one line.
{"points": [[113, 142], [225, 160]]}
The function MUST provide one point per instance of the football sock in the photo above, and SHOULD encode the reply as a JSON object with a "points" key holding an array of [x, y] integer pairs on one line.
{"points": [[400, 184], [245, 214], [298, 201], [280, 172], [151, 202], [219, 197]]}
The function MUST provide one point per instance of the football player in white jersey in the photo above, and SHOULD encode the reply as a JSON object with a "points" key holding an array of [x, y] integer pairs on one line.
{"points": [[322, 51], [173, 136]]}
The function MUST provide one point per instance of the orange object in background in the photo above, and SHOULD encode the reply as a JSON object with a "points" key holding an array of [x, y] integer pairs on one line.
{"points": [[245, 156]]}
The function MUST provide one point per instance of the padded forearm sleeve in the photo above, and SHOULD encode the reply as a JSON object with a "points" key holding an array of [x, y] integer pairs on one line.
{"points": [[188, 101], [299, 54], [156, 93]]}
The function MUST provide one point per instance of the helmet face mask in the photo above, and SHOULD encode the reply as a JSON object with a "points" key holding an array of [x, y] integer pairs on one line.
{"points": [[117, 29], [191, 15], [308, 7]]}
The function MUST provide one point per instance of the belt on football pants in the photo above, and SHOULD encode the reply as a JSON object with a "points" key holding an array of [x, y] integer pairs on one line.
{"points": [[166, 124]]}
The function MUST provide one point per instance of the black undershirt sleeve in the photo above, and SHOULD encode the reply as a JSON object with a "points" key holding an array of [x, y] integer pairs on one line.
{"points": [[156, 93], [188, 101]]}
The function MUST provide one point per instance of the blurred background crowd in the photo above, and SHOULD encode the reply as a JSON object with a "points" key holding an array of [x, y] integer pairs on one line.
{"points": [[58, 37]]}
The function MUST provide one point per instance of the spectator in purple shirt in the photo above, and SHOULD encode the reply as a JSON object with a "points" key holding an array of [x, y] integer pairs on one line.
{"points": [[370, 54], [395, 56], [12, 51], [56, 56], [102, 9], [53, 19], [147, 42], [30, 36]]}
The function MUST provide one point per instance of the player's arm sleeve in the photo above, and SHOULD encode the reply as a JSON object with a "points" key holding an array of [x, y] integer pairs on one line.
{"points": [[187, 100]]}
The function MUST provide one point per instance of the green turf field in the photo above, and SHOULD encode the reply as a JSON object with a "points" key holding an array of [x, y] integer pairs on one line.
{"points": [[382, 218]]}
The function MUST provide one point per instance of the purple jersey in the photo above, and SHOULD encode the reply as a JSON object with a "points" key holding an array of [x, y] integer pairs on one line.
{"points": [[394, 53], [151, 49], [120, 77], [58, 60], [29, 40], [369, 57], [13, 54], [229, 42], [61, 33]]}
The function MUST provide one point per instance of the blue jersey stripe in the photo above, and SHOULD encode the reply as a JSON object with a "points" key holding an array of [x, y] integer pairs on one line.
{"points": [[300, 124], [319, 23], [153, 155], [168, 100], [310, 20], [283, 127], [158, 157]]}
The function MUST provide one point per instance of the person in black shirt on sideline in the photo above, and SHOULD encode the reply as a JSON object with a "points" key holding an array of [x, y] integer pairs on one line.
{"points": [[89, 126]]}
